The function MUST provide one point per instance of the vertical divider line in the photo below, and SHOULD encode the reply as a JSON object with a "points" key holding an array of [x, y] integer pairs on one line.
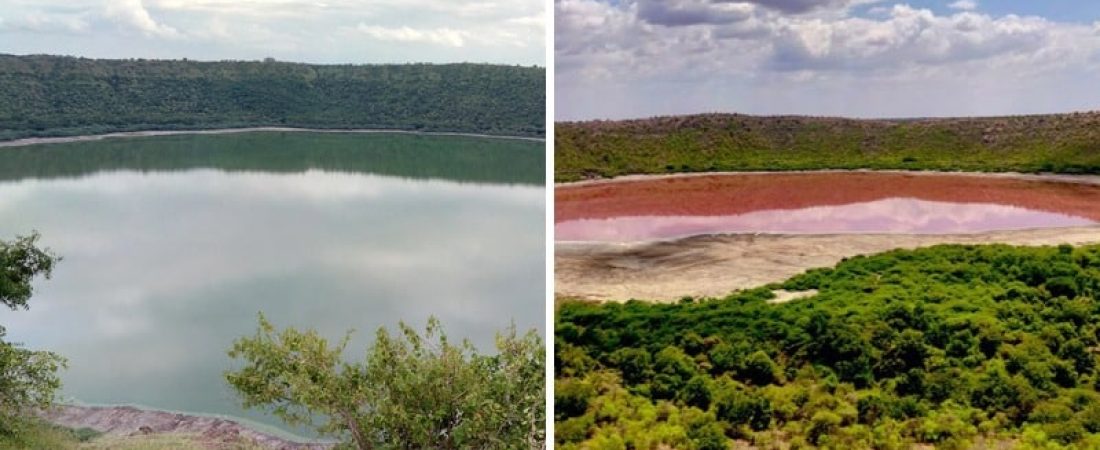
{"points": [[549, 44]]}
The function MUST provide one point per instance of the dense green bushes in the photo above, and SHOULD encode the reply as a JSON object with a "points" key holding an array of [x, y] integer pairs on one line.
{"points": [[950, 345], [63, 96], [1068, 143], [411, 391]]}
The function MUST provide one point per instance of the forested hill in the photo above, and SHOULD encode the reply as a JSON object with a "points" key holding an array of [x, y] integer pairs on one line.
{"points": [[1068, 143], [61, 96]]}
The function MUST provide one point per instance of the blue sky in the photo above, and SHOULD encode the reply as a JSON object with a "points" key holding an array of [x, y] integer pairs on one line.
{"points": [[1081, 11], [857, 58], [323, 31]]}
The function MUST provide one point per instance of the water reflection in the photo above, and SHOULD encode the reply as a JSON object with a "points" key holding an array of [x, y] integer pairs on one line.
{"points": [[163, 269], [467, 159], [892, 215]]}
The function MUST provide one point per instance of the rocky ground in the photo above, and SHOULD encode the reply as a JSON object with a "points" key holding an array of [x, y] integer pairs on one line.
{"points": [[212, 432]]}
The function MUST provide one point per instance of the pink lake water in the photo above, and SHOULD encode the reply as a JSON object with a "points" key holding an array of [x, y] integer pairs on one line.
{"points": [[898, 215], [818, 204]]}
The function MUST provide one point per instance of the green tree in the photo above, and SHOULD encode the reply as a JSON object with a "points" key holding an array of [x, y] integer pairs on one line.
{"points": [[572, 397], [634, 364], [412, 390], [28, 379], [738, 407], [759, 369], [697, 392], [20, 262]]}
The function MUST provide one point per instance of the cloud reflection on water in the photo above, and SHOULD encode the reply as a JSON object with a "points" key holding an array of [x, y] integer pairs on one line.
{"points": [[163, 270], [892, 215]]}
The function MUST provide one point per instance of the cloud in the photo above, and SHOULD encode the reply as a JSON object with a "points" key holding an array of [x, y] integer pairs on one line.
{"points": [[907, 37], [659, 58], [718, 12], [964, 5], [441, 36], [802, 6], [132, 13], [242, 8], [440, 31], [534, 21], [593, 33], [44, 23], [692, 12]]}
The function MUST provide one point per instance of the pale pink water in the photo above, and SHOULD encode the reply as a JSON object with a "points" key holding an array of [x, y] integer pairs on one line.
{"points": [[899, 215]]}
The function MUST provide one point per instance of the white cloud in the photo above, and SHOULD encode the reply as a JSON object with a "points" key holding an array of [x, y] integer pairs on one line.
{"points": [[593, 33], [242, 8], [441, 36], [908, 37], [964, 5], [534, 21], [132, 13], [43, 23], [319, 31], [659, 61]]}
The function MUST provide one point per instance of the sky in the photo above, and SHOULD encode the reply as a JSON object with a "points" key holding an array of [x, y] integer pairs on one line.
{"points": [[316, 31], [617, 59]]}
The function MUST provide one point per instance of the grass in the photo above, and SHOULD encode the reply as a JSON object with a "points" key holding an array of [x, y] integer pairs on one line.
{"points": [[35, 434], [1063, 143], [38, 435]]}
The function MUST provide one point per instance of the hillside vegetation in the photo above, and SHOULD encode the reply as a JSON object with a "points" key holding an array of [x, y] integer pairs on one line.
{"points": [[1068, 143], [952, 346], [44, 96]]}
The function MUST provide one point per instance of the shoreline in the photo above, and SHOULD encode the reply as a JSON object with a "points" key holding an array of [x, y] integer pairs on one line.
{"points": [[1038, 176], [130, 420], [23, 142], [577, 244], [713, 266]]}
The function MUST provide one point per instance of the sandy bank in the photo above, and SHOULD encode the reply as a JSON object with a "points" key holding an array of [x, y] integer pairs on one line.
{"points": [[128, 420], [96, 137], [1065, 178], [710, 266]]}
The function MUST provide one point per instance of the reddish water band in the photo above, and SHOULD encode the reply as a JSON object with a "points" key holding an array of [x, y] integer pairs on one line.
{"points": [[818, 203]]}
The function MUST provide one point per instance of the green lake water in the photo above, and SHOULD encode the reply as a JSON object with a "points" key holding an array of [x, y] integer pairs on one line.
{"points": [[172, 246]]}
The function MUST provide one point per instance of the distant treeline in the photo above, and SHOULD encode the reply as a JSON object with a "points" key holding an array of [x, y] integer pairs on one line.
{"points": [[63, 96], [1067, 143]]}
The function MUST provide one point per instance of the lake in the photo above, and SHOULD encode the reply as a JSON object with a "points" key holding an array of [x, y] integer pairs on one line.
{"points": [[172, 246], [818, 203]]}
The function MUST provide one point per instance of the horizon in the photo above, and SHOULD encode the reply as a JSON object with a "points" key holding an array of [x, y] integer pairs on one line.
{"points": [[814, 116], [272, 60]]}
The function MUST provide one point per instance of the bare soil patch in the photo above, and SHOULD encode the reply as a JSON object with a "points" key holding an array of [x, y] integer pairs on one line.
{"points": [[714, 266]]}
